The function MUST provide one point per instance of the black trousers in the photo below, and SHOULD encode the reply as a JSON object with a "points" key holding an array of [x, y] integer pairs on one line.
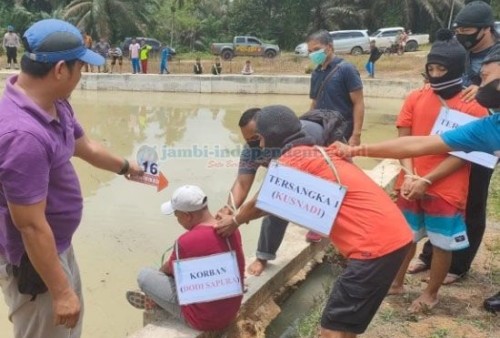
{"points": [[11, 55], [475, 220]]}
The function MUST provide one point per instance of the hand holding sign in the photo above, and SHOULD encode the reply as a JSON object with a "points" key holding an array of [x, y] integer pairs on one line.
{"points": [[148, 160]]}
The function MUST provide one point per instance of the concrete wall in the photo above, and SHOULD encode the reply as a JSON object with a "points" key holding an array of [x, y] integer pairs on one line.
{"points": [[228, 84], [232, 84]]}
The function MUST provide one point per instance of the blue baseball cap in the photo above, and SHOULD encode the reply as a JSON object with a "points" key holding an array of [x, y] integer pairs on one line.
{"points": [[53, 40]]}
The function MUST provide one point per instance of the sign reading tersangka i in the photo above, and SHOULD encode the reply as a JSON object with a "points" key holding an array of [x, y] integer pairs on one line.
{"points": [[449, 119], [301, 198]]}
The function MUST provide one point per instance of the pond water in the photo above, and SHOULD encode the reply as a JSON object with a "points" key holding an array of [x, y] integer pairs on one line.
{"points": [[198, 141]]}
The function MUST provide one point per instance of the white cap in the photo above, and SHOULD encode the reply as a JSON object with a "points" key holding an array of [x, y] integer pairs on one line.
{"points": [[187, 198]]}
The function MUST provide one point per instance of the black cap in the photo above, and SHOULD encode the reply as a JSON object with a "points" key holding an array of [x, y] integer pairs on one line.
{"points": [[493, 55], [475, 14], [276, 123]]}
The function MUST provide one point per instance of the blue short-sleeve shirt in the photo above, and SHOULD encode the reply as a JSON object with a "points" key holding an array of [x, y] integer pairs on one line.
{"points": [[481, 135], [335, 95]]}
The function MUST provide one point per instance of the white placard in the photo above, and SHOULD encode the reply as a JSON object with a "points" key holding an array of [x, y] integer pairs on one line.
{"points": [[301, 198], [209, 278], [449, 119]]}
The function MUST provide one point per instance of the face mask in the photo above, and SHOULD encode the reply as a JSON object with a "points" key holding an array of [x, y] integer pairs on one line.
{"points": [[254, 143], [318, 57], [488, 96], [468, 40]]}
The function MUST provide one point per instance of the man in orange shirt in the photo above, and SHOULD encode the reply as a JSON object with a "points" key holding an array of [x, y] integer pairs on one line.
{"points": [[369, 230], [433, 189]]}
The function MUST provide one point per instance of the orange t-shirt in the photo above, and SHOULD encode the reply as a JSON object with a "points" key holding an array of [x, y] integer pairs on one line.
{"points": [[419, 112], [368, 224]]}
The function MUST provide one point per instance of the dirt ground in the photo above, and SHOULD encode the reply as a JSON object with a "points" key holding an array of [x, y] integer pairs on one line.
{"points": [[387, 67], [459, 314]]}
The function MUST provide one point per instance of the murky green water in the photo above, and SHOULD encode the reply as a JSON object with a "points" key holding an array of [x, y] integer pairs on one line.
{"points": [[122, 228]]}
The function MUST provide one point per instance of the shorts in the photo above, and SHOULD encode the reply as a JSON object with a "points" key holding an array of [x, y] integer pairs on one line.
{"points": [[359, 291], [114, 58], [437, 219]]}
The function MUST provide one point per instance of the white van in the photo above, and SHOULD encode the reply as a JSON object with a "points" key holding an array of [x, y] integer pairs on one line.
{"points": [[355, 42]]}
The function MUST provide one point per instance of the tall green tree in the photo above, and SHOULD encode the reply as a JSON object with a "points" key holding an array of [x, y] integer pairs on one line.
{"points": [[111, 18]]}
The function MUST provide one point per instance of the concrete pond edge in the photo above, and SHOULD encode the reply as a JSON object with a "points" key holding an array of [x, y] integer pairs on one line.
{"points": [[296, 258]]}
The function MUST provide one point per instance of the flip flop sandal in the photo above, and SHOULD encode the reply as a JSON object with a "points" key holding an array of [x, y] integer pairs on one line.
{"points": [[451, 278], [448, 280], [137, 299], [417, 267]]}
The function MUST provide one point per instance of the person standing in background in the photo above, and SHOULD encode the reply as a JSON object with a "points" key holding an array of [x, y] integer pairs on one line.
{"points": [[165, 54], [374, 56], [133, 49], [88, 42], [336, 85], [144, 56], [11, 44], [102, 48], [116, 54]]}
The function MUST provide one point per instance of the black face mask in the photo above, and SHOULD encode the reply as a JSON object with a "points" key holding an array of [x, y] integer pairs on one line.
{"points": [[488, 95], [254, 143], [469, 40], [444, 86]]}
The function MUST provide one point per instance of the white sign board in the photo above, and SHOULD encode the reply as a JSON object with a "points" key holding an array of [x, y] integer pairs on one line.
{"points": [[449, 119], [301, 198], [209, 278]]}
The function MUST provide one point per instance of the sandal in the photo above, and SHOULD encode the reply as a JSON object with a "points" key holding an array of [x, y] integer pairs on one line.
{"points": [[139, 300], [417, 266], [450, 278]]}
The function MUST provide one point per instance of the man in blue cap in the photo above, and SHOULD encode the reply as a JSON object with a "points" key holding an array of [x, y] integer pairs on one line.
{"points": [[11, 44], [40, 198]]}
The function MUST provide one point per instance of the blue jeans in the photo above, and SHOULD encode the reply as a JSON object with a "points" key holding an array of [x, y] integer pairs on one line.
{"points": [[164, 67], [370, 68], [135, 66]]}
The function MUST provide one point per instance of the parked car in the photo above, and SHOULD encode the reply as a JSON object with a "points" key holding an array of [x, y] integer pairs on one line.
{"points": [[355, 42], [302, 50], [386, 37], [244, 46], [156, 44]]}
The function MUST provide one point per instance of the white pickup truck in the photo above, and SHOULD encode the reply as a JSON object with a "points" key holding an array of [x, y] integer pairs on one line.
{"points": [[385, 37]]}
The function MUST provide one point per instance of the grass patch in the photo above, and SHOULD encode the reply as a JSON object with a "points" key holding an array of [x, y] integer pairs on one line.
{"points": [[440, 333], [494, 197]]}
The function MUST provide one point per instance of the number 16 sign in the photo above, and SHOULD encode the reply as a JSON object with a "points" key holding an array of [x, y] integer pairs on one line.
{"points": [[147, 158]]}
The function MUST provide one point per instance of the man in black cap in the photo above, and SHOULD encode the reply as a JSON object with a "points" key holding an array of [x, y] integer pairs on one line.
{"points": [[481, 135], [474, 29], [369, 229]]}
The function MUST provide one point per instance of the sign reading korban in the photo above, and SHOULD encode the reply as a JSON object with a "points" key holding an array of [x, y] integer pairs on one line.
{"points": [[208, 278], [301, 198]]}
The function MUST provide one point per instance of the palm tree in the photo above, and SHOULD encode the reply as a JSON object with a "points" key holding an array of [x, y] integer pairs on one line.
{"points": [[438, 10], [107, 17]]}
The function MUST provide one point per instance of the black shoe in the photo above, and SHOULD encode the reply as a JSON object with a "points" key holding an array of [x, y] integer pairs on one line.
{"points": [[492, 304]]}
